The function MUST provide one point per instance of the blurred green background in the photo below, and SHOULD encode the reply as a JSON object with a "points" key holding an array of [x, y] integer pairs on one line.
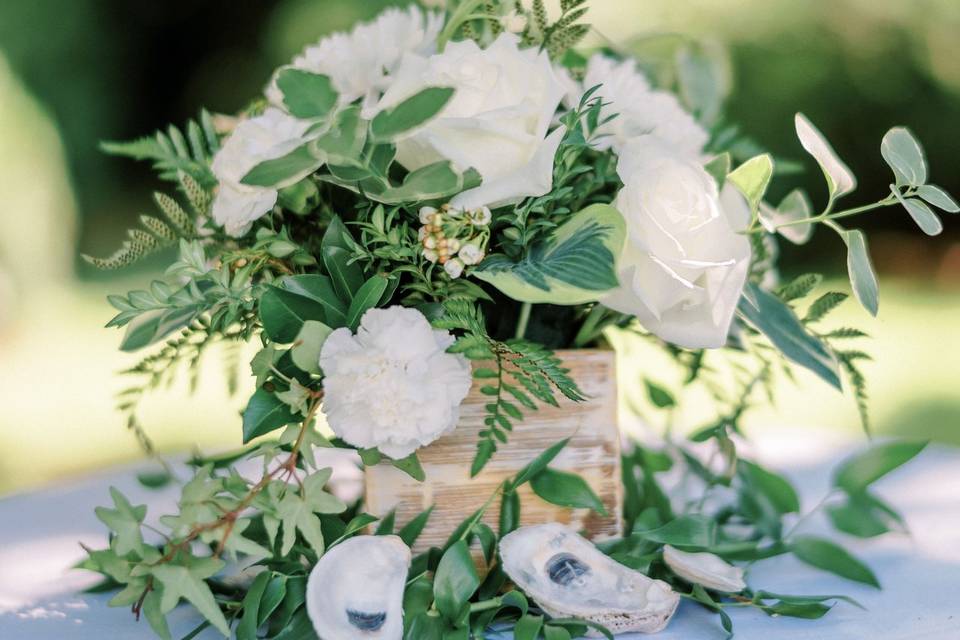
{"points": [[73, 73]]}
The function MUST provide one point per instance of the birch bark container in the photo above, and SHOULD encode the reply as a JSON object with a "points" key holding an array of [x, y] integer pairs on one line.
{"points": [[593, 452]]}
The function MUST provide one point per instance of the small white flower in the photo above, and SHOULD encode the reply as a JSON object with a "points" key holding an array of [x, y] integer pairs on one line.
{"points": [[496, 122], [265, 137], [430, 242], [393, 385], [362, 63], [684, 262], [431, 255], [705, 569], [471, 254], [514, 22], [454, 268], [426, 215], [453, 245], [421, 233], [640, 109], [481, 217]]}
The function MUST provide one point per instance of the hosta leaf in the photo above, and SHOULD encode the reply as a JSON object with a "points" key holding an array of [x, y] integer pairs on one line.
{"points": [[306, 95], [840, 180], [409, 114], [575, 264], [778, 322], [905, 156]]}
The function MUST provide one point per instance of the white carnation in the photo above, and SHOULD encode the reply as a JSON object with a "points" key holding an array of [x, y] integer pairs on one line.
{"points": [[265, 137], [496, 122], [640, 109], [392, 385], [684, 262], [705, 569], [361, 63]]}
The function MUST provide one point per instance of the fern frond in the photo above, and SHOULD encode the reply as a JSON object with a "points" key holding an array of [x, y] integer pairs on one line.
{"points": [[845, 333], [858, 381], [824, 305], [799, 287]]}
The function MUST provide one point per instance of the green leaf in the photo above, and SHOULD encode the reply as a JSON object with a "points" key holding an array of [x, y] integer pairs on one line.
{"points": [[685, 531], [366, 298], [283, 314], [284, 171], [320, 289], [343, 143], [794, 207], [528, 627], [925, 218], [703, 74], [806, 610], [777, 489], [938, 198], [905, 156], [718, 167], [155, 479], [250, 621], [437, 180], [840, 180], [124, 521], [863, 516], [296, 512], [455, 580], [153, 614], [154, 326], [264, 413], [412, 530], [752, 178], [539, 463], [660, 397], [306, 95], [863, 279], [576, 263], [410, 466], [857, 473], [566, 490], [828, 556], [409, 114], [778, 322], [188, 583], [308, 344]]}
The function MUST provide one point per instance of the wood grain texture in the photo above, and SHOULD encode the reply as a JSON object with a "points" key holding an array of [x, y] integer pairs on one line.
{"points": [[593, 453]]}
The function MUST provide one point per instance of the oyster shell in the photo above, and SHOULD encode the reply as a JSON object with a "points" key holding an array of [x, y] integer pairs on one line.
{"points": [[569, 577], [356, 589]]}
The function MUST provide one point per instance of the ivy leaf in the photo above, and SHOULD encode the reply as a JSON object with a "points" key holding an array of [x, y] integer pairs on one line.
{"points": [[576, 263], [264, 413], [828, 556], [566, 490], [863, 279], [153, 614], [297, 512], [905, 156], [390, 123], [840, 180], [455, 580], [188, 583], [124, 520], [857, 473]]}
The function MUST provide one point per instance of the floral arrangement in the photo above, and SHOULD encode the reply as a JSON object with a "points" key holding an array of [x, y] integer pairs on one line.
{"points": [[449, 194]]}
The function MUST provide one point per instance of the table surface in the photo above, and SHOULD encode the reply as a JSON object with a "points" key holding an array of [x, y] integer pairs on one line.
{"points": [[41, 532]]}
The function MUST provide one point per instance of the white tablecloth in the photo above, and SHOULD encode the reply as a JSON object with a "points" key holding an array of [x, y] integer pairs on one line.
{"points": [[40, 534]]}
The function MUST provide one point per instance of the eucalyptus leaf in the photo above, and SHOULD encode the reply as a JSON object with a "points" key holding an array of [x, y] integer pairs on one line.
{"points": [[752, 178], [840, 180], [925, 218], [905, 156], [863, 279], [938, 198]]}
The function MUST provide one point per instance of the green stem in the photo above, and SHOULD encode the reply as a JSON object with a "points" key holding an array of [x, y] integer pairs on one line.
{"points": [[588, 328], [826, 215], [459, 16], [486, 605], [523, 320]]}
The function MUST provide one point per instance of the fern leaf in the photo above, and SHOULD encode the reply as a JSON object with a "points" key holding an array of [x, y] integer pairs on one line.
{"points": [[174, 212], [159, 228], [198, 197], [824, 305], [844, 333], [799, 287]]}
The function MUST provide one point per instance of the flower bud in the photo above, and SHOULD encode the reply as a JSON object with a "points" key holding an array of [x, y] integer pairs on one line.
{"points": [[430, 255], [426, 214], [471, 254], [430, 242], [705, 569], [453, 268]]}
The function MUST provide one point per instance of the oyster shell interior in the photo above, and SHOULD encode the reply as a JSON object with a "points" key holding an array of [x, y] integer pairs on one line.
{"points": [[356, 589], [569, 577]]}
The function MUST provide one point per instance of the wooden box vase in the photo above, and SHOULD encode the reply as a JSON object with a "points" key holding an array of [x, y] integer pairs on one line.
{"points": [[593, 452]]}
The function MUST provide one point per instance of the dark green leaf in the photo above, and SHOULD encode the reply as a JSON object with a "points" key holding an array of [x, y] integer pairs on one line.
{"points": [[250, 621], [412, 530], [685, 531], [264, 413], [366, 298], [828, 556], [539, 463], [283, 313], [659, 396], [455, 580], [284, 171], [566, 490], [410, 466], [409, 114]]}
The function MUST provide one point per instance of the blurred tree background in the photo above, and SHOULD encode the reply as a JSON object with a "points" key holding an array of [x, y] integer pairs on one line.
{"points": [[75, 72]]}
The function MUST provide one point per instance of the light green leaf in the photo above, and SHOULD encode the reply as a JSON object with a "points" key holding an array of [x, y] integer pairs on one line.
{"points": [[409, 114], [703, 72], [685, 531], [828, 556], [308, 344], [840, 180], [153, 614], [306, 95], [455, 580], [905, 156], [343, 143], [794, 207], [925, 218], [188, 583], [410, 466], [863, 279], [284, 171], [752, 178], [124, 520], [857, 473], [151, 327], [864, 516], [566, 490], [575, 264], [777, 489], [938, 198], [437, 180], [777, 321], [718, 167]]}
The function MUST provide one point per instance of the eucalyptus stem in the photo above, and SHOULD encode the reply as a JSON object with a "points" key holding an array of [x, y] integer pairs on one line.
{"points": [[523, 320], [827, 215]]}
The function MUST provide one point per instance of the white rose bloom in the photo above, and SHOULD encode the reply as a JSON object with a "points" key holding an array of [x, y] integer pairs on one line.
{"points": [[392, 385], [496, 122], [361, 63], [641, 109], [684, 263], [705, 569], [265, 137]]}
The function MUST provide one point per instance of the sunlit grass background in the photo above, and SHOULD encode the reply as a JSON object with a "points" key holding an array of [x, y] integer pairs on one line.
{"points": [[856, 66]]}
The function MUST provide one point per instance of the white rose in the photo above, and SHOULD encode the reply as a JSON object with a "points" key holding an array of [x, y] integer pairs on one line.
{"points": [[705, 569], [684, 263], [361, 63], [496, 122], [392, 385], [265, 137], [640, 109]]}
